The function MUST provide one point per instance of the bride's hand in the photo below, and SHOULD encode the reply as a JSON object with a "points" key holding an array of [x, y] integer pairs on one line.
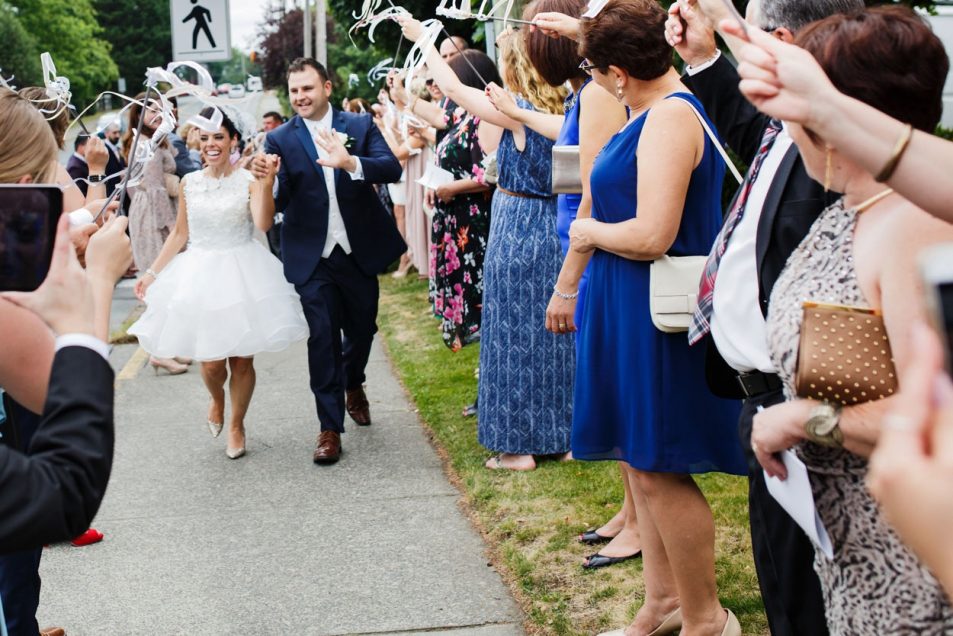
{"points": [[268, 168], [142, 285]]}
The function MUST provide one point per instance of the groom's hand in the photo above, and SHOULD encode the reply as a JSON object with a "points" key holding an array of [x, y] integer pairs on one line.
{"points": [[261, 165], [338, 156]]}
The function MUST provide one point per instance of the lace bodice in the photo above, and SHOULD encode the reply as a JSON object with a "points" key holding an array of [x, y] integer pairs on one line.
{"points": [[218, 210]]}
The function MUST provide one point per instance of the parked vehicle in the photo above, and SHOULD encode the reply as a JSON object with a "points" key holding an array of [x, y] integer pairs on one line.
{"points": [[253, 84], [236, 91]]}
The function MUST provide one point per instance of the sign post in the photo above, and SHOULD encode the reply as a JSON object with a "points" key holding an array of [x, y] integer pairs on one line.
{"points": [[200, 30]]}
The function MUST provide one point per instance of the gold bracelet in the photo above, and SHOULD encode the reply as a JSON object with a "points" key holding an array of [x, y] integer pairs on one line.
{"points": [[898, 151]]}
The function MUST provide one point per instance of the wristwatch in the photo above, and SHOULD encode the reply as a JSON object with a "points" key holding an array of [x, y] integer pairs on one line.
{"points": [[96, 178], [823, 427]]}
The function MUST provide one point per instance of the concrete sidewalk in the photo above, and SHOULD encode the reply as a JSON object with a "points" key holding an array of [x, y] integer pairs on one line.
{"points": [[270, 543]]}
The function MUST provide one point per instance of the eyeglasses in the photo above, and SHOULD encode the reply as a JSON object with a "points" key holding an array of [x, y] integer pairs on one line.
{"points": [[428, 82], [587, 66]]}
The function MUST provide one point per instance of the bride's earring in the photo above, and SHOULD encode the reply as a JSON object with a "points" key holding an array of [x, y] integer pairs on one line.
{"points": [[618, 92]]}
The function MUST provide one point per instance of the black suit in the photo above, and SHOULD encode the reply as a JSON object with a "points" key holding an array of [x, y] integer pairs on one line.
{"points": [[52, 493], [78, 169], [783, 554], [114, 164], [340, 292]]}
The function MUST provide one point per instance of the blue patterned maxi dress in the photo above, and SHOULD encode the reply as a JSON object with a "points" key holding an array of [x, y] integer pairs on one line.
{"points": [[526, 373]]}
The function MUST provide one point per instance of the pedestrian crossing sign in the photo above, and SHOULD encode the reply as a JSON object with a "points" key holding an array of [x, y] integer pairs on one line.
{"points": [[200, 30]]}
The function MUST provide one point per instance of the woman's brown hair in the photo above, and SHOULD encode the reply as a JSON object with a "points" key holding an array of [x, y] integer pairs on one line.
{"points": [[886, 57], [27, 146], [135, 112], [42, 101], [556, 59], [629, 34]]}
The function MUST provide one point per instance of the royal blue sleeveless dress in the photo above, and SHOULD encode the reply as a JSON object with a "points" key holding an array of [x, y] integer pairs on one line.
{"points": [[567, 205], [526, 373], [641, 395]]}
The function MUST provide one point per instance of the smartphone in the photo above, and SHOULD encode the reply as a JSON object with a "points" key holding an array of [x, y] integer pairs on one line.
{"points": [[936, 267], [28, 218]]}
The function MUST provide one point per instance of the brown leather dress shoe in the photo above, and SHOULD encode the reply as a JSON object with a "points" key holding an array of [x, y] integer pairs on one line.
{"points": [[358, 407], [328, 450]]}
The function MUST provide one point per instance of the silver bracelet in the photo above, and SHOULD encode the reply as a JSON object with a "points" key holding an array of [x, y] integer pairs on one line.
{"points": [[152, 273], [559, 294]]}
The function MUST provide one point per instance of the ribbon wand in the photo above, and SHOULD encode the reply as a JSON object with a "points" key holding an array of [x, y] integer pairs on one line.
{"points": [[132, 150]]}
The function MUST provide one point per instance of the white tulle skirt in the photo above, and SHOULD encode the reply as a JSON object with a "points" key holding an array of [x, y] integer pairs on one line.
{"points": [[214, 304]]}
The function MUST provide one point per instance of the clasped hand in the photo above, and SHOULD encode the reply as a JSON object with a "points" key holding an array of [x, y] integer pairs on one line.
{"points": [[580, 235], [265, 166]]}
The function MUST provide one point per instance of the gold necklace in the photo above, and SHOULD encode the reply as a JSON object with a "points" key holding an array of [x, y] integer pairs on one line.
{"points": [[872, 201]]}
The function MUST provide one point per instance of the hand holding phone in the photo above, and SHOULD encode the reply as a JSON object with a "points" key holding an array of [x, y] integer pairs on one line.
{"points": [[28, 222]]}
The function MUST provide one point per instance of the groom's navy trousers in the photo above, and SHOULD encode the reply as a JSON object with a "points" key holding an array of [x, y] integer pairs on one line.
{"points": [[339, 293], [338, 298]]}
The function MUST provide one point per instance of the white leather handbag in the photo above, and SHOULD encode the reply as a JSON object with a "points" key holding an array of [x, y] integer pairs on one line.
{"points": [[674, 280]]}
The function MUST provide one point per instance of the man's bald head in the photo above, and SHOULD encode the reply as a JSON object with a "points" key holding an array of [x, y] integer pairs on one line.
{"points": [[452, 46]]}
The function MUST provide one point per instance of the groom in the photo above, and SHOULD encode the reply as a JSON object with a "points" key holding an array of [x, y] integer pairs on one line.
{"points": [[336, 238]]}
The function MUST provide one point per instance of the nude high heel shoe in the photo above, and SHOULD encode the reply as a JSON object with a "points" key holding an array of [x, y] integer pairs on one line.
{"points": [[732, 626], [235, 453], [669, 625], [171, 366]]}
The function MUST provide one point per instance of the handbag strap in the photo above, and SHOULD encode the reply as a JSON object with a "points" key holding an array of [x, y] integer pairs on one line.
{"points": [[714, 139]]}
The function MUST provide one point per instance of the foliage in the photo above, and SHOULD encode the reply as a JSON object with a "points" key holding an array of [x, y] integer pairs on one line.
{"points": [[20, 54], [235, 70], [70, 31], [140, 34], [282, 40]]}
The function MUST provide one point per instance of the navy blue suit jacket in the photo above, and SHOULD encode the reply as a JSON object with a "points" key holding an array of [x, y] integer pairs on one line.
{"points": [[303, 195]]}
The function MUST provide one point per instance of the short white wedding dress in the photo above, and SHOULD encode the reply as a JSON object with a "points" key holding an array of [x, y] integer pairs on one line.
{"points": [[226, 295]]}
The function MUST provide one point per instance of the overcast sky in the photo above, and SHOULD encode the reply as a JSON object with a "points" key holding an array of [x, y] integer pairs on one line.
{"points": [[245, 16]]}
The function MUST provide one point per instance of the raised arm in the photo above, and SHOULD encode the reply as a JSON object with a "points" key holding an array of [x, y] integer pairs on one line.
{"points": [[545, 124], [262, 195], [473, 100]]}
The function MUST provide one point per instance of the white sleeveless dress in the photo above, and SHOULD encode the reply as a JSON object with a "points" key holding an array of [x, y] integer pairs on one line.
{"points": [[226, 295]]}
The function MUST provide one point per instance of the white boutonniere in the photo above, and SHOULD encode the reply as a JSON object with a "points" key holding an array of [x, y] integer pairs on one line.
{"points": [[346, 140]]}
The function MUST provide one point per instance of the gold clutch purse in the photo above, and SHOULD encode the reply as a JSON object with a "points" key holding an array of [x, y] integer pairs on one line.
{"points": [[844, 355]]}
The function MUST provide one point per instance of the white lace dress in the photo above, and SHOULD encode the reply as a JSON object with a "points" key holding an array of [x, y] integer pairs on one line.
{"points": [[226, 295]]}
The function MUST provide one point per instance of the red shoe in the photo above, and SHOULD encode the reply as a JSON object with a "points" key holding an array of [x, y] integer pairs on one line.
{"points": [[89, 537]]}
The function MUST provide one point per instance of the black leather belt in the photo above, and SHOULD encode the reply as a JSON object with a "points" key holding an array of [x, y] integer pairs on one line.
{"points": [[755, 383]]}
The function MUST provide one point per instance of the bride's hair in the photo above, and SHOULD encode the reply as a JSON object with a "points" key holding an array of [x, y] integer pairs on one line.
{"points": [[226, 122]]}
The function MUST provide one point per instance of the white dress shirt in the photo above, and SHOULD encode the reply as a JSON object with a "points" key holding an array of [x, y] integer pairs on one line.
{"points": [[83, 340], [737, 324], [337, 232]]}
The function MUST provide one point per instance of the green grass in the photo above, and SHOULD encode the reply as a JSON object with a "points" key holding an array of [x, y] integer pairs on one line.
{"points": [[530, 519]]}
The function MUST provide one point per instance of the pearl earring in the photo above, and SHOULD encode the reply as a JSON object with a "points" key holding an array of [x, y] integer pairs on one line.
{"points": [[618, 91]]}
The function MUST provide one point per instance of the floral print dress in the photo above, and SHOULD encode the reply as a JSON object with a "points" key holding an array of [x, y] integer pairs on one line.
{"points": [[459, 233]]}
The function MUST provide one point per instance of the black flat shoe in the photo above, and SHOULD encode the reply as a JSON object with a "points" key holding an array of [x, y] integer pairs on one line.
{"points": [[591, 537], [470, 410], [600, 561]]}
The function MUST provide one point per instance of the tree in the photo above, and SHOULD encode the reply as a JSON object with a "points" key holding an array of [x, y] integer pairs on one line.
{"points": [[235, 70], [68, 29], [20, 55], [140, 34]]}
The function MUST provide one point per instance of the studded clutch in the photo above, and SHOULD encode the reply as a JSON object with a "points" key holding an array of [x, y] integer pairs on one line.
{"points": [[844, 355]]}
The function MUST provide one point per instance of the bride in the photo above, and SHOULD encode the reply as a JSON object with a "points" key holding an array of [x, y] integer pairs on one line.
{"points": [[225, 298]]}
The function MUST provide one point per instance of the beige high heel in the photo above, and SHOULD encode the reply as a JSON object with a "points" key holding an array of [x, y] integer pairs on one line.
{"points": [[669, 625], [171, 366], [235, 453], [732, 626]]}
